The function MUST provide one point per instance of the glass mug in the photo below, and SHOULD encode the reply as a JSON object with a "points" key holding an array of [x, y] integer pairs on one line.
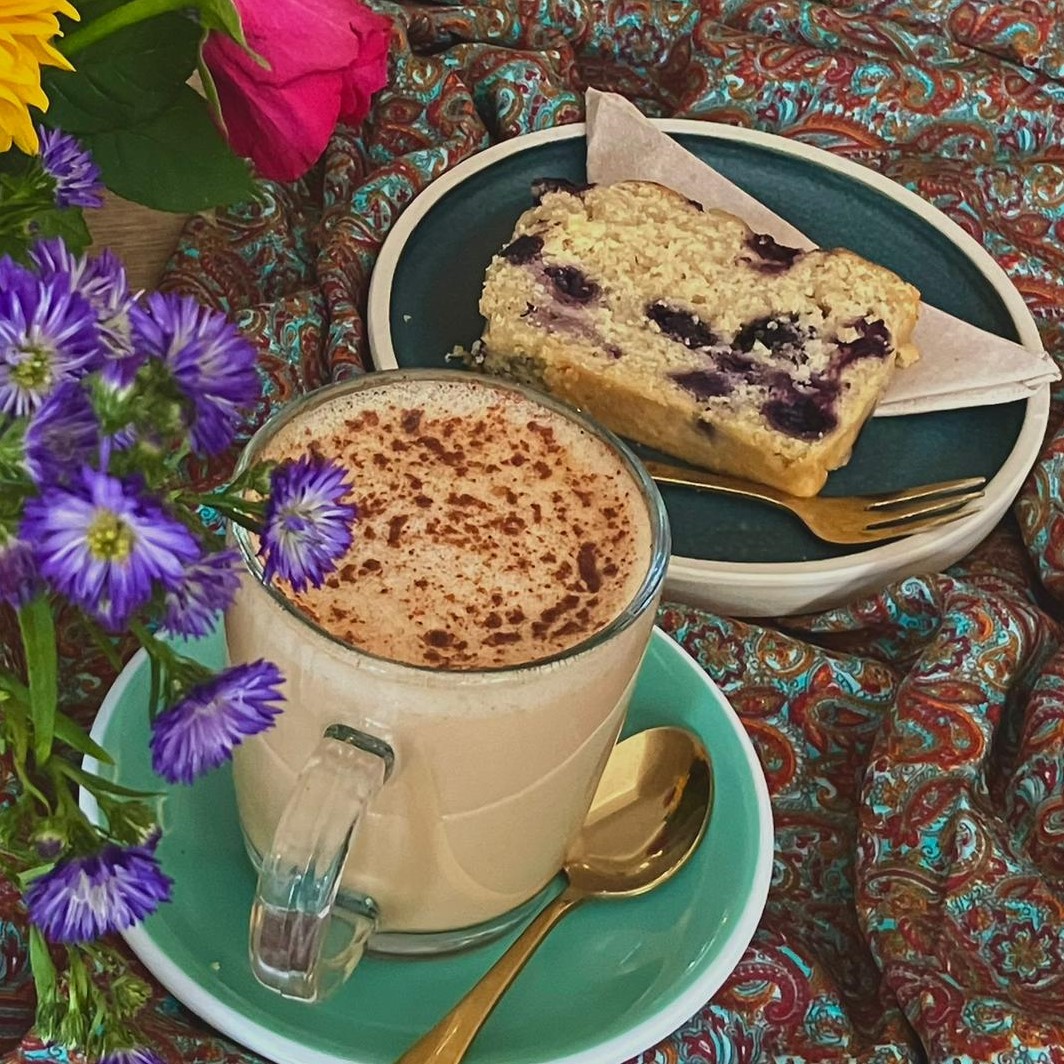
{"points": [[419, 809]]}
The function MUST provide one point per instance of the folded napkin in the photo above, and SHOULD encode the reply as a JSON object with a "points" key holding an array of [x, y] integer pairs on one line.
{"points": [[959, 366]]}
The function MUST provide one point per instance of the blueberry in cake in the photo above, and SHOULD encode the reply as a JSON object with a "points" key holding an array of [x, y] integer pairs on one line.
{"points": [[683, 329]]}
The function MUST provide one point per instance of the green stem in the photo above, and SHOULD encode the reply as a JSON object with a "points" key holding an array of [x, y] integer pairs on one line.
{"points": [[30, 788], [99, 637], [118, 19], [157, 652], [237, 509]]}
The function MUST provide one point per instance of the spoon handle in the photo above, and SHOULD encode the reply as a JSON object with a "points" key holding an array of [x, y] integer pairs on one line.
{"points": [[450, 1039]]}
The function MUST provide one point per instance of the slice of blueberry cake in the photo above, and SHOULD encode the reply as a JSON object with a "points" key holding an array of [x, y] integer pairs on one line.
{"points": [[683, 329]]}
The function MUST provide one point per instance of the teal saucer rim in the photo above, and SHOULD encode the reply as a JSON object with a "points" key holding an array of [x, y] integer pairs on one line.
{"points": [[230, 1021]]}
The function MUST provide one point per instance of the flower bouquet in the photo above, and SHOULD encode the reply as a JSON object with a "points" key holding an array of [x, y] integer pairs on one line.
{"points": [[111, 395], [107, 399]]}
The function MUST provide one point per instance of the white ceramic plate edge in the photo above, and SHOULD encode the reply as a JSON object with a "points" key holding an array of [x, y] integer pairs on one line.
{"points": [[775, 588], [229, 1021]]}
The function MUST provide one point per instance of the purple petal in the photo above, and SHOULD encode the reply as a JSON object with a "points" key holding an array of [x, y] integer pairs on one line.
{"points": [[212, 364], [308, 526], [132, 1055], [105, 546], [84, 898], [206, 590], [48, 334], [200, 732], [101, 279], [62, 436], [19, 579], [71, 167]]}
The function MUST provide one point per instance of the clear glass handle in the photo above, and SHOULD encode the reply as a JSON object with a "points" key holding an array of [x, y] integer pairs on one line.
{"points": [[305, 936]]}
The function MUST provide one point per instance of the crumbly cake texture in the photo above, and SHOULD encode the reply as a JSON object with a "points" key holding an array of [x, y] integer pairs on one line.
{"points": [[683, 329]]}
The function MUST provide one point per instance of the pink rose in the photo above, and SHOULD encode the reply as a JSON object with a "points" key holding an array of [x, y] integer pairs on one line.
{"points": [[326, 59]]}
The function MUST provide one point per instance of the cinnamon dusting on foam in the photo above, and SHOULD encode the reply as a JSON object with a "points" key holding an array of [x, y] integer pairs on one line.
{"points": [[491, 531]]}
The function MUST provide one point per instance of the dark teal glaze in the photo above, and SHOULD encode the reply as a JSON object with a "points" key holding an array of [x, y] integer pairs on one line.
{"points": [[441, 270]]}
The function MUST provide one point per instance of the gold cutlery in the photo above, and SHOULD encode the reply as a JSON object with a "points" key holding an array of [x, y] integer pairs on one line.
{"points": [[647, 817], [845, 519]]}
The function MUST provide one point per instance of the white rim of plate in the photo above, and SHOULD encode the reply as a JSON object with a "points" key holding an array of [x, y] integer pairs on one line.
{"points": [[910, 552], [232, 1022]]}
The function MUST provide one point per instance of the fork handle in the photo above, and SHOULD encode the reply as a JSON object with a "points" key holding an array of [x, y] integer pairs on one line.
{"points": [[700, 478]]}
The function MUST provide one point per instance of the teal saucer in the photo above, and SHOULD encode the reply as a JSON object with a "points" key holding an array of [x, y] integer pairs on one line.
{"points": [[614, 977]]}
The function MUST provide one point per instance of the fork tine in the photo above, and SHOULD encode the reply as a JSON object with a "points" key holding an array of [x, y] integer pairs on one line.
{"points": [[925, 491], [930, 508], [881, 530]]}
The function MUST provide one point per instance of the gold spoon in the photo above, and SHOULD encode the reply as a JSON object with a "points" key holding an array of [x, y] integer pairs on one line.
{"points": [[647, 817]]}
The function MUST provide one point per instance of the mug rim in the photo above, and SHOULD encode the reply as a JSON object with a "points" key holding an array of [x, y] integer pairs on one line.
{"points": [[660, 533]]}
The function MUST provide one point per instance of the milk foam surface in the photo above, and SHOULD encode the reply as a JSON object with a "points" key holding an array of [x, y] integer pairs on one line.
{"points": [[491, 531]]}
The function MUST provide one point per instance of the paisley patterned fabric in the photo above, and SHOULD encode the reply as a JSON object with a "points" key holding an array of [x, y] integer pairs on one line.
{"points": [[913, 741]]}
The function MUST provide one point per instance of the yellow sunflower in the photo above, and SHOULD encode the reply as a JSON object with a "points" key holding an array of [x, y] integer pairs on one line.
{"points": [[26, 31]]}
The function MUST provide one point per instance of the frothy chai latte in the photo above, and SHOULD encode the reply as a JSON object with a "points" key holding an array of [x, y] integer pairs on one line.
{"points": [[495, 538], [491, 531]]}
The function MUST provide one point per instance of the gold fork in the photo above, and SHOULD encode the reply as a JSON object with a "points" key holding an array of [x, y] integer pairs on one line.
{"points": [[849, 519]]}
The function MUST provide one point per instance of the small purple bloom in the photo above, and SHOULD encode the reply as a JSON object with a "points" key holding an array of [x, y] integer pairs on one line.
{"points": [[206, 589], [199, 732], [101, 279], [133, 1055], [19, 579], [71, 167], [103, 544], [212, 364], [48, 334], [84, 898], [308, 525], [62, 436]]}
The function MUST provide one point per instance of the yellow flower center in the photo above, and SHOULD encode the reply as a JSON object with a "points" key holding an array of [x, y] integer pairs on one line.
{"points": [[110, 539], [34, 372]]}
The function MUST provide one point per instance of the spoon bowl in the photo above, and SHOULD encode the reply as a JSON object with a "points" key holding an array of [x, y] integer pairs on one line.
{"points": [[647, 817]]}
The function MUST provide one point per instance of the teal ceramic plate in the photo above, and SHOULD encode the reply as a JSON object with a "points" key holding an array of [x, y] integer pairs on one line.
{"points": [[739, 556], [612, 979]]}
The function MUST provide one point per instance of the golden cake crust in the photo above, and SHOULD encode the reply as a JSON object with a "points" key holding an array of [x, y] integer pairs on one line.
{"points": [[686, 331]]}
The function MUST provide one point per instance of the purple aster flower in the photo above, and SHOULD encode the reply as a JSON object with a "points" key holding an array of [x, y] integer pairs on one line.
{"points": [[206, 590], [101, 279], [199, 732], [19, 579], [48, 334], [308, 525], [62, 436], [103, 544], [70, 166], [212, 364], [132, 1055], [84, 898]]}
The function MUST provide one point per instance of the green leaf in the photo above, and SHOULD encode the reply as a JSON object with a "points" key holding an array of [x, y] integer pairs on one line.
{"points": [[38, 641], [44, 975], [92, 783], [176, 161], [70, 732], [14, 688], [221, 15], [126, 78], [68, 224], [109, 18]]}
